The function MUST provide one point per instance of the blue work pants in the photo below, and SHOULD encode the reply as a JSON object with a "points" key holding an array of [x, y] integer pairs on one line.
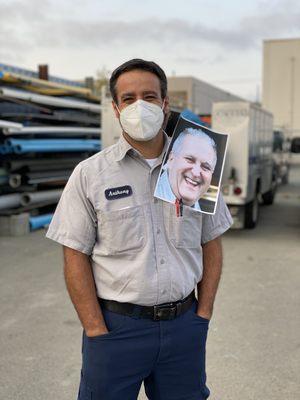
{"points": [[168, 356]]}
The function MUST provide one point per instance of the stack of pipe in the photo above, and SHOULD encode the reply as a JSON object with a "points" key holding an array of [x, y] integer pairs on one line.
{"points": [[46, 129]]}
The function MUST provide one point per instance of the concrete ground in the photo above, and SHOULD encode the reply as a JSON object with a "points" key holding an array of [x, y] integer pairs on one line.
{"points": [[253, 349]]}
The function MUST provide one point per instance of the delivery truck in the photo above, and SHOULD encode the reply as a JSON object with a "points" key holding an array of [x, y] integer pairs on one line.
{"points": [[249, 176]]}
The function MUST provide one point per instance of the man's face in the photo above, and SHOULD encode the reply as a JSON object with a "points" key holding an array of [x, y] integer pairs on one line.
{"points": [[137, 85], [190, 171]]}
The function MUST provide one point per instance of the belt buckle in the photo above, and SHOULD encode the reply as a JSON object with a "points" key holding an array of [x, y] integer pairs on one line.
{"points": [[164, 312]]}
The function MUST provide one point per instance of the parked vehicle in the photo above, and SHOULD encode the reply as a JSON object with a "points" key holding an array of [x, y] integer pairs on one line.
{"points": [[249, 176], [281, 156], [295, 145]]}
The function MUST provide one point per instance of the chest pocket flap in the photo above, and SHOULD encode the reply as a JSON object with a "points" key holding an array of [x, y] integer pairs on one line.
{"points": [[122, 230]]}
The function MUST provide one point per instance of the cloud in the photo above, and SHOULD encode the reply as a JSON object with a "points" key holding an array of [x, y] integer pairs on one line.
{"points": [[199, 60], [113, 33], [37, 24], [23, 10]]}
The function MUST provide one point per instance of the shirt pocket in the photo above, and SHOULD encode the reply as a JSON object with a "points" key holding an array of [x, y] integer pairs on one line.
{"points": [[184, 231], [122, 231]]}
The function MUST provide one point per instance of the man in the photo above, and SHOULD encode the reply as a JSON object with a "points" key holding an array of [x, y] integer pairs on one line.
{"points": [[189, 169], [130, 265]]}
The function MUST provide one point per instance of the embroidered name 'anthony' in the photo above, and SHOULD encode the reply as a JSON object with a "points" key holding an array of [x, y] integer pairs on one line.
{"points": [[118, 192]]}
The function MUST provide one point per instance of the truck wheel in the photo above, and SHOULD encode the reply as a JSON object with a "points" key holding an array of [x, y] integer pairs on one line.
{"points": [[285, 178], [268, 197], [251, 213]]}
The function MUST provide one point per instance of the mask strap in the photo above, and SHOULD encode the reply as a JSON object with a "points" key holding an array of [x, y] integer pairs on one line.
{"points": [[117, 108]]}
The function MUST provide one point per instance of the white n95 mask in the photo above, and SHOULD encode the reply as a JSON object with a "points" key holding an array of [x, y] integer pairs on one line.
{"points": [[141, 120]]}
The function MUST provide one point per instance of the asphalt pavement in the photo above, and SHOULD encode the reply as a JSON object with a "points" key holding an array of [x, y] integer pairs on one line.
{"points": [[253, 349]]}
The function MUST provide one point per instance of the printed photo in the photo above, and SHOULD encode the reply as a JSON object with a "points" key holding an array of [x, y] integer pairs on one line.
{"points": [[192, 169]]}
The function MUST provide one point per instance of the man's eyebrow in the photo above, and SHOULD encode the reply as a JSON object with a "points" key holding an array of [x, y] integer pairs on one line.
{"points": [[127, 94], [132, 94], [190, 156], [150, 92], [207, 164]]}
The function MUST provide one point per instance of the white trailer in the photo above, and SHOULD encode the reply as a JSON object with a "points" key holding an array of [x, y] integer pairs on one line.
{"points": [[248, 176]]}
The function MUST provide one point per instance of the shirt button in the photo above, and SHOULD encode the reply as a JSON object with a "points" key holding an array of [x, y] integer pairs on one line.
{"points": [[162, 261], [163, 291], [158, 231]]}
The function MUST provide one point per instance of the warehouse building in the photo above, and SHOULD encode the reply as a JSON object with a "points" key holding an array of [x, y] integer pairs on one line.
{"points": [[195, 94], [281, 84]]}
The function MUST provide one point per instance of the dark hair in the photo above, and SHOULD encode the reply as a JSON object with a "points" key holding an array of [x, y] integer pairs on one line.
{"points": [[138, 63]]}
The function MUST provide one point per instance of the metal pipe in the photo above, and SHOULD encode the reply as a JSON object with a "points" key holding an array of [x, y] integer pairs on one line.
{"points": [[51, 167], [13, 165], [7, 125], [3, 176], [52, 145], [25, 130], [5, 149], [46, 174], [37, 197], [3, 179], [55, 179], [10, 201], [33, 178], [45, 142], [15, 180], [50, 100], [40, 221]]}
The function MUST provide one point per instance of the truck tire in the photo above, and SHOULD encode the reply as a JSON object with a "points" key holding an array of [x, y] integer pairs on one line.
{"points": [[251, 213], [285, 178], [268, 197]]}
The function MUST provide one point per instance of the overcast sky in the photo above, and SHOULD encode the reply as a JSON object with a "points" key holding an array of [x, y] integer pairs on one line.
{"points": [[217, 41]]}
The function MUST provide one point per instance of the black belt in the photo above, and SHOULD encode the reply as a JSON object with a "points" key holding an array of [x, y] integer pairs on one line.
{"points": [[159, 312]]}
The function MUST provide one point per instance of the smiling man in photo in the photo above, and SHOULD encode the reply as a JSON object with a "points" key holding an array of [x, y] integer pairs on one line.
{"points": [[189, 169]]}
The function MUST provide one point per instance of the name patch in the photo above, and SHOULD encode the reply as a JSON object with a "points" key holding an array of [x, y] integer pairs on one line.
{"points": [[118, 192]]}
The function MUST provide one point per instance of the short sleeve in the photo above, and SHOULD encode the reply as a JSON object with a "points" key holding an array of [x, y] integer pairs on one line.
{"points": [[74, 222], [215, 225]]}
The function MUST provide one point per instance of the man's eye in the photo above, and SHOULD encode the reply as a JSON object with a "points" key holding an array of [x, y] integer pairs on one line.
{"points": [[206, 167], [150, 98], [189, 159]]}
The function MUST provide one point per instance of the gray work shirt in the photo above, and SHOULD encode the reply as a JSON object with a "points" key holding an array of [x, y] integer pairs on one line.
{"points": [[140, 251]]}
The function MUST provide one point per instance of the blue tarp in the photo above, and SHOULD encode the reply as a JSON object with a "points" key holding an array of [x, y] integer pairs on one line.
{"points": [[188, 114]]}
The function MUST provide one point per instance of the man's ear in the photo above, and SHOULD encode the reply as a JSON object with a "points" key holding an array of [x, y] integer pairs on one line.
{"points": [[115, 108], [166, 111], [170, 156], [168, 163], [167, 105]]}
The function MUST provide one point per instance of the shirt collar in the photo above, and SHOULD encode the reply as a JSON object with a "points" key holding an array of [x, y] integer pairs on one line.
{"points": [[124, 147]]}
